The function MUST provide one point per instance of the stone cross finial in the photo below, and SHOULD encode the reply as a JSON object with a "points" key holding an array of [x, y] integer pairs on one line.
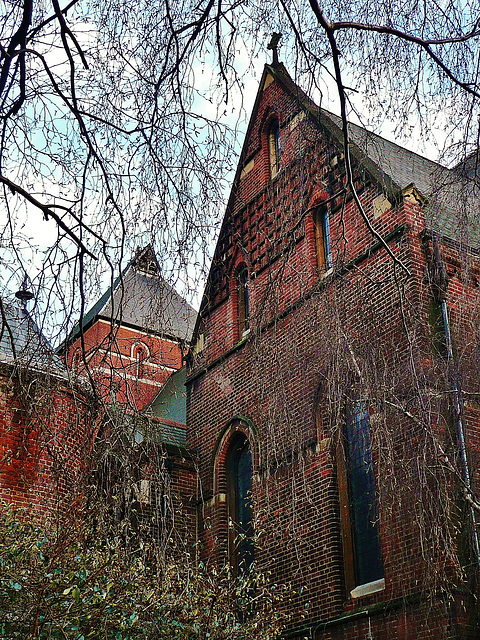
{"points": [[273, 45]]}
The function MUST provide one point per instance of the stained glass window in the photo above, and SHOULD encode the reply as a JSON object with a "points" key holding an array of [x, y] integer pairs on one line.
{"points": [[367, 556], [240, 484]]}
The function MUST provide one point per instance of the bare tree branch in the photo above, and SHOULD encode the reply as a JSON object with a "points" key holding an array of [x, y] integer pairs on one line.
{"points": [[346, 142], [47, 210], [424, 44]]}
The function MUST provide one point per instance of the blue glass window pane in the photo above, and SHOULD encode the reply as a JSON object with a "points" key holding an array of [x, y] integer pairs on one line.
{"points": [[322, 238], [326, 236], [363, 501], [243, 507]]}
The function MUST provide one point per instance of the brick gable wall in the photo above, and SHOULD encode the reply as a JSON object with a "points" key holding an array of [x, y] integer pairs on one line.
{"points": [[110, 354], [291, 377]]}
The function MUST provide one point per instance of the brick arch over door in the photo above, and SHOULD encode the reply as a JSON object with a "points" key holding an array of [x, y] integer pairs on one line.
{"points": [[234, 461]]}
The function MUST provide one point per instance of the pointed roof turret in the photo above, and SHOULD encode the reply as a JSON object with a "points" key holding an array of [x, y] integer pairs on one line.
{"points": [[142, 299]]}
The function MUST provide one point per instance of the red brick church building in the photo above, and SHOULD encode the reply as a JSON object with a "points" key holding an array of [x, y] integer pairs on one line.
{"points": [[332, 392], [134, 337], [129, 344], [132, 344], [332, 400]]}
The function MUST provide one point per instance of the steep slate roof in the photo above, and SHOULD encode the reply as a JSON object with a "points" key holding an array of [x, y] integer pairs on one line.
{"points": [[402, 165], [470, 166], [452, 201], [23, 344], [143, 300]]}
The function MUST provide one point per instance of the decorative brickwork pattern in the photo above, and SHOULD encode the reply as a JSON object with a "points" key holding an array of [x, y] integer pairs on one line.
{"points": [[318, 342]]}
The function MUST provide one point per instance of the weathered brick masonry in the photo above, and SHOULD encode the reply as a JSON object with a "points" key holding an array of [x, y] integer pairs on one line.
{"points": [[111, 354], [46, 434], [318, 341]]}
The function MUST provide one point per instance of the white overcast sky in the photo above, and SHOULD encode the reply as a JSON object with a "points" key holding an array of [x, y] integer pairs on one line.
{"points": [[42, 232]]}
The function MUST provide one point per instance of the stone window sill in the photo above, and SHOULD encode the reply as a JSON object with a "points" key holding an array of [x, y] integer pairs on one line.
{"points": [[367, 589]]}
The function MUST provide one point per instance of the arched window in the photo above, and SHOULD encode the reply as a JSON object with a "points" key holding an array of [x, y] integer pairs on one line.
{"points": [[322, 238], [243, 301], [139, 354], [358, 502], [274, 147], [240, 513]]}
